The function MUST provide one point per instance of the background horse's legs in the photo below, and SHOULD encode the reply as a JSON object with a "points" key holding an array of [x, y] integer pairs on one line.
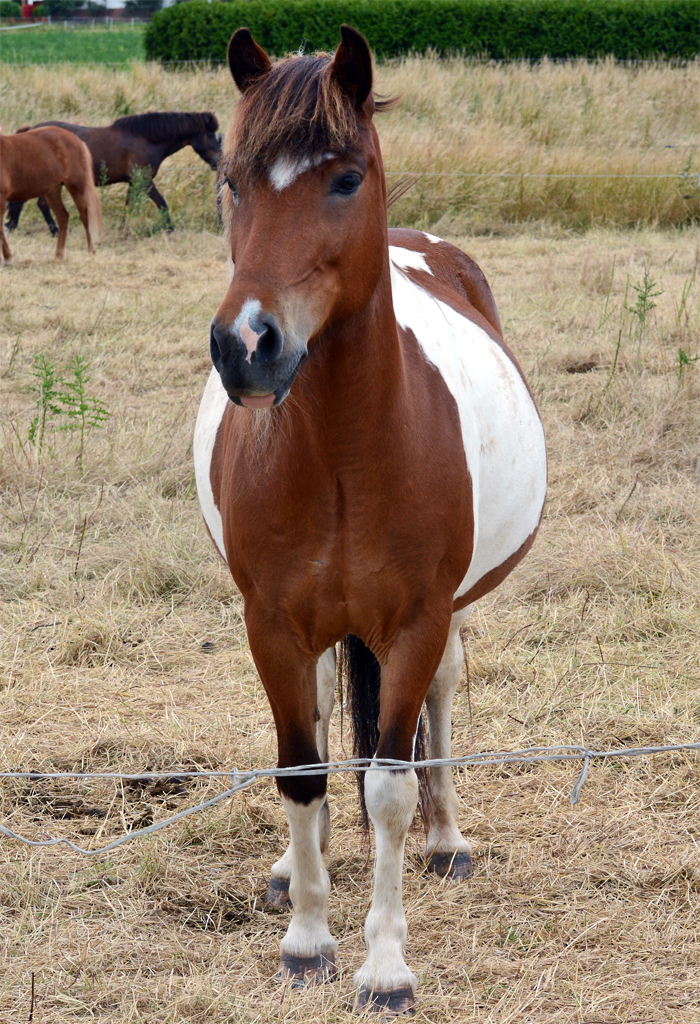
{"points": [[278, 889], [14, 210], [44, 207], [53, 198], [6, 252], [447, 852], [384, 981], [153, 193]]}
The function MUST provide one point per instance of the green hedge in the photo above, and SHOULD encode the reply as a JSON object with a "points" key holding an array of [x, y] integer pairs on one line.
{"points": [[500, 29], [10, 9]]}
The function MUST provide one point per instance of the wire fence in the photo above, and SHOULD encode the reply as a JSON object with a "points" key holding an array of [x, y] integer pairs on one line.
{"points": [[243, 780]]}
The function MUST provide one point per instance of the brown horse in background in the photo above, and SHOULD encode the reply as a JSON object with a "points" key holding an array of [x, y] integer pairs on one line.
{"points": [[139, 140], [38, 163]]}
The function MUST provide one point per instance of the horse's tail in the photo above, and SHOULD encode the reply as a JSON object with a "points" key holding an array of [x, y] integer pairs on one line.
{"points": [[360, 673], [92, 197]]}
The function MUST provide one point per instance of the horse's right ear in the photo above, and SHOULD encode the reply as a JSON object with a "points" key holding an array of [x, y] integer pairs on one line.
{"points": [[246, 60]]}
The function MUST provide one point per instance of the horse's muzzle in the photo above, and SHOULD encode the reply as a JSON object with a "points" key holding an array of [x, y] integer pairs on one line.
{"points": [[248, 369]]}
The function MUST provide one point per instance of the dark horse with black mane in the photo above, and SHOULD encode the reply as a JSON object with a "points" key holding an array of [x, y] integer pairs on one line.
{"points": [[369, 461], [139, 140]]}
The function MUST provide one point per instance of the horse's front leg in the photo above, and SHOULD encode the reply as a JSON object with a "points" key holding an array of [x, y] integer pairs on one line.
{"points": [[278, 890], [46, 211], [384, 982], [307, 951]]}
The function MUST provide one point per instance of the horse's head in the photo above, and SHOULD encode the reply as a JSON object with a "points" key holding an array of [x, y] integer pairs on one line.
{"points": [[208, 143], [305, 204]]}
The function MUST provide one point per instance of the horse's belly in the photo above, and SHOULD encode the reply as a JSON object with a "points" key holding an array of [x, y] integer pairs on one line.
{"points": [[501, 429]]}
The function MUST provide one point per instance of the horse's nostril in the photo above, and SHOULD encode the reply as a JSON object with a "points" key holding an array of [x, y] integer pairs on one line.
{"points": [[269, 347], [218, 346]]}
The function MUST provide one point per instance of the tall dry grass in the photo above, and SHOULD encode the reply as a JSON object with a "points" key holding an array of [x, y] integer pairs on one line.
{"points": [[455, 117], [110, 588]]}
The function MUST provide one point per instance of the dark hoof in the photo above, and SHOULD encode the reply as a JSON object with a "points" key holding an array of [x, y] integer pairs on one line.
{"points": [[302, 971], [400, 1001], [277, 894], [456, 865]]}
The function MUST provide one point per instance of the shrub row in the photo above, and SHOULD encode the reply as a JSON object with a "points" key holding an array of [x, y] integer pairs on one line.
{"points": [[10, 9], [499, 29]]}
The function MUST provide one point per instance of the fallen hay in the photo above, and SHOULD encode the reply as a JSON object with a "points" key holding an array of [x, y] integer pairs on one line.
{"points": [[122, 648]]}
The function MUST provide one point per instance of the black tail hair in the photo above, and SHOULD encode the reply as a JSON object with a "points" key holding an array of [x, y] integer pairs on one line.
{"points": [[360, 678]]}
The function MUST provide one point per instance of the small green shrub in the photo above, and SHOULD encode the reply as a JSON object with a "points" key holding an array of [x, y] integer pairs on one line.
{"points": [[499, 29], [10, 9], [65, 399]]}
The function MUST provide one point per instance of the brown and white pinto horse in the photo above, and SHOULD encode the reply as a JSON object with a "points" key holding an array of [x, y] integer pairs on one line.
{"points": [[369, 461]]}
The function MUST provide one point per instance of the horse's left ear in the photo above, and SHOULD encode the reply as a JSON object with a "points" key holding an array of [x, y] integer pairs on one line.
{"points": [[352, 65], [246, 60]]}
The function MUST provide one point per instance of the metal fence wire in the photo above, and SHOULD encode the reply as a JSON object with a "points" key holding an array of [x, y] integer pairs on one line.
{"points": [[243, 780]]}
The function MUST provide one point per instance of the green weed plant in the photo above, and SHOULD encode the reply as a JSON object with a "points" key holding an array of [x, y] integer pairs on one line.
{"points": [[66, 400]]}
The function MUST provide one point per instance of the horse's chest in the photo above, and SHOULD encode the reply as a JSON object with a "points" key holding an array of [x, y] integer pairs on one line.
{"points": [[335, 542]]}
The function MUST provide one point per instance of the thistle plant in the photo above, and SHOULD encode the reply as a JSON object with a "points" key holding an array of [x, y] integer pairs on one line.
{"points": [[66, 399], [48, 399], [82, 411]]}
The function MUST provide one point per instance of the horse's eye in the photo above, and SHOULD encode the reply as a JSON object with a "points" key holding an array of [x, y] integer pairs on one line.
{"points": [[348, 184], [234, 190]]}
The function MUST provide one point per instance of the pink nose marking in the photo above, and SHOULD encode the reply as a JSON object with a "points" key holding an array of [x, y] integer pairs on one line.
{"points": [[249, 338]]}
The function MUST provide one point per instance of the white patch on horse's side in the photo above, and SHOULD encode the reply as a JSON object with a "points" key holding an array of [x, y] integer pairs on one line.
{"points": [[405, 258], [502, 433], [285, 169], [433, 238], [211, 411]]}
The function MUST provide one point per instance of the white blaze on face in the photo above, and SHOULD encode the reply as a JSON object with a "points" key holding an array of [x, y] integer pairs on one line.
{"points": [[286, 169], [250, 310], [249, 337]]}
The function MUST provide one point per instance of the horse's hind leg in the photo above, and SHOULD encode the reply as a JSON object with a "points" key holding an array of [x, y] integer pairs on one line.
{"points": [[278, 889], [447, 852], [53, 198], [80, 201], [6, 252]]}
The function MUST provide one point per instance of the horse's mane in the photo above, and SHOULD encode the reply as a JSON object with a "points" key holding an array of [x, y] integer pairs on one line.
{"points": [[297, 110], [162, 126]]}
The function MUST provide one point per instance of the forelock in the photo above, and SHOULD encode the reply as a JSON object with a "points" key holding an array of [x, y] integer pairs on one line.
{"points": [[297, 110]]}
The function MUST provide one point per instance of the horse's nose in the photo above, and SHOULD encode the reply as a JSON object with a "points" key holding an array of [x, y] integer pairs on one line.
{"points": [[256, 340], [267, 347]]}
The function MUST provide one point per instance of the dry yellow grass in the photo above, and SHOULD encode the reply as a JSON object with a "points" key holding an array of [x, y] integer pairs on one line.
{"points": [[455, 116], [109, 588]]}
